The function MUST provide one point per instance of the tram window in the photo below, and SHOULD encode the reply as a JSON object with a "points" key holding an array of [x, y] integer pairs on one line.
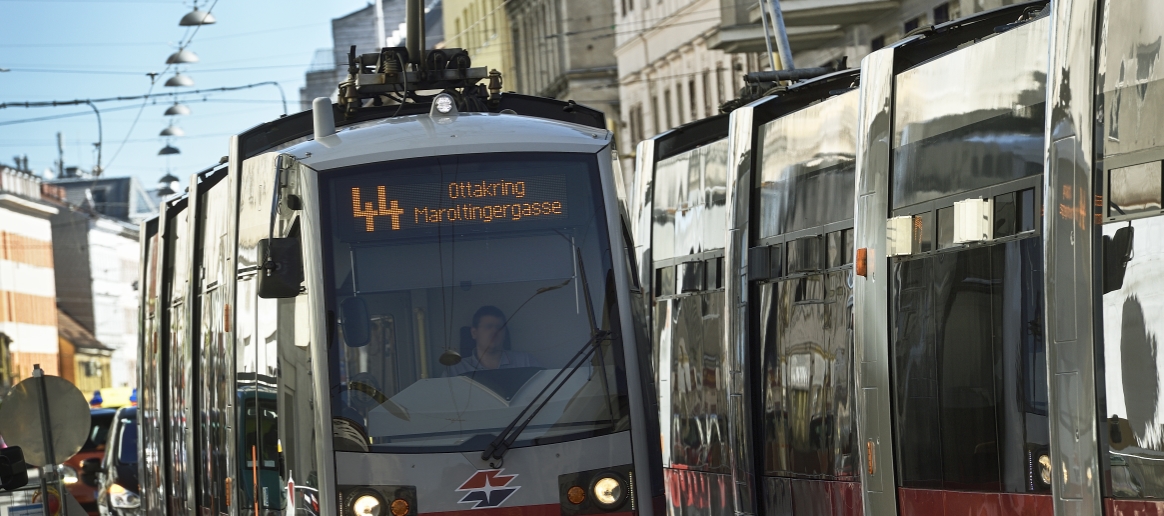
{"points": [[1004, 215], [946, 227], [804, 254], [1134, 190], [665, 281], [714, 268], [847, 246], [759, 267], [1025, 220], [483, 275], [923, 232], [693, 276], [836, 243], [776, 261]]}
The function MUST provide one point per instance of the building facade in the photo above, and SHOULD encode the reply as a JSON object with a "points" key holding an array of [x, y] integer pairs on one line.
{"points": [[28, 314], [97, 260], [678, 60], [565, 50], [481, 28], [85, 361], [330, 66]]}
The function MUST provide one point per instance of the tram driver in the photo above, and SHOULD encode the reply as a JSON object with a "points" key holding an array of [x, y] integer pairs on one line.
{"points": [[491, 345]]}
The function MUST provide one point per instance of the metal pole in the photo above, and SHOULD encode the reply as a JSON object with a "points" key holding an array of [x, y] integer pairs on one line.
{"points": [[767, 35], [380, 39], [50, 457], [414, 17], [101, 137], [781, 35]]}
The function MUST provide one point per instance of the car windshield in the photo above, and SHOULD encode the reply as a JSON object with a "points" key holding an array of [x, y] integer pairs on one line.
{"points": [[461, 287]]}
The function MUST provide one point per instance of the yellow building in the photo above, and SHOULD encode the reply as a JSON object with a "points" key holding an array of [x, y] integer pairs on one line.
{"points": [[84, 360], [481, 28]]}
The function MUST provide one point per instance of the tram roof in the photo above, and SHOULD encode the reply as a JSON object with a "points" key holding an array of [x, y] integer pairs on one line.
{"points": [[467, 133]]}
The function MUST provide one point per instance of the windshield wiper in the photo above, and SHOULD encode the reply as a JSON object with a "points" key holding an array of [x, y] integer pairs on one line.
{"points": [[505, 439]]}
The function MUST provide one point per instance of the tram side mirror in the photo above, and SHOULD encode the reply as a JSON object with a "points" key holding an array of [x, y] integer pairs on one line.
{"points": [[1117, 252], [281, 273], [13, 469], [356, 324]]}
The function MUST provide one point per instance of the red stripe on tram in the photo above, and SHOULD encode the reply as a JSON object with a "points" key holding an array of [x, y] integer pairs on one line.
{"points": [[924, 502]]}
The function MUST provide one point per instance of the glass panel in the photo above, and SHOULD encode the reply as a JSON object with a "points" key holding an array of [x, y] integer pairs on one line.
{"points": [[836, 244], [776, 261], [847, 250], [665, 281], [970, 364], [807, 167], [986, 131], [1025, 220], [698, 405], [946, 227], [1132, 369], [805, 254], [1135, 189], [807, 340], [496, 261], [1004, 215], [923, 232]]}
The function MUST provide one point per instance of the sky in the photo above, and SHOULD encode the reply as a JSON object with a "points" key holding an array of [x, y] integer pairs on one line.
{"points": [[90, 49]]}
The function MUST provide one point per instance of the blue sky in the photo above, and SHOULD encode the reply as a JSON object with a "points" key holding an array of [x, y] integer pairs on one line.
{"points": [[84, 49]]}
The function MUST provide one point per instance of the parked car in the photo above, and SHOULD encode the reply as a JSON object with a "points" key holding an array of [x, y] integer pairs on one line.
{"points": [[117, 492], [83, 487]]}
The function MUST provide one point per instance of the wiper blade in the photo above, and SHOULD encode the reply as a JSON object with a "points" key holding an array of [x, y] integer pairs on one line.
{"points": [[505, 439]]}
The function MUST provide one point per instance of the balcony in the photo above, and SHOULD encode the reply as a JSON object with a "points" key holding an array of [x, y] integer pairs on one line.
{"points": [[810, 23]]}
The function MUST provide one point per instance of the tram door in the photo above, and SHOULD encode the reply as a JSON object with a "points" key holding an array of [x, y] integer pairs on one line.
{"points": [[951, 335], [800, 303], [685, 197], [279, 342], [211, 356]]}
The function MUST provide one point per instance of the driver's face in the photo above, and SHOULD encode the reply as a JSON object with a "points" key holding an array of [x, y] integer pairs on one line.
{"points": [[489, 333]]}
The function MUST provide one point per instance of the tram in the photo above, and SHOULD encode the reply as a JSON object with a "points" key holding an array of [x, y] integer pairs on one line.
{"points": [[940, 280], [431, 310]]}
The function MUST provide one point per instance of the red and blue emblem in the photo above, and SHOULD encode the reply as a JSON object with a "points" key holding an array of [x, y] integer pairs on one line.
{"points": [[488, 488]]}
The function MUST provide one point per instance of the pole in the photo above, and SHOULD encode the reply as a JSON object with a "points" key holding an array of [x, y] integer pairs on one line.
{"points": [[101, 135], [767, 35], [380, 39], [414, 41], [50, 457], [781, 35], [60, 154]]}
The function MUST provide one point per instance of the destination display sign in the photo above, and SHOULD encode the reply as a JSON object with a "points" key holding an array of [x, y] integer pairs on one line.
{"points": [[377, 207]]}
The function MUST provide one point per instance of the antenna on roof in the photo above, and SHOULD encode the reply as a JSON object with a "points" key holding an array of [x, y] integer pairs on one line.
{"points": [[397, 74]]}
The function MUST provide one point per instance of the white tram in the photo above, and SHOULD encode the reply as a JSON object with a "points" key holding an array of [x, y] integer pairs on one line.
{"points": [[430, 311]]}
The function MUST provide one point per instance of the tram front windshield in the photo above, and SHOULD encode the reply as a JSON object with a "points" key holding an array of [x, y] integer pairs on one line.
{"points": [[460, 287]]}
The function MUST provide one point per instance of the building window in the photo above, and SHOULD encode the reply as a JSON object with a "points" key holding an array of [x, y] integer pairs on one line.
{"points": [[707, 93], [694, 102], [636, 124], [667, 109], [912, 24], [942, 13], [656, 116], [877, 43]]}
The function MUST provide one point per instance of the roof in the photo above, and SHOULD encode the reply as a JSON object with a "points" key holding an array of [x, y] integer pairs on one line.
{"points": [[72, 331], [421, 135]]}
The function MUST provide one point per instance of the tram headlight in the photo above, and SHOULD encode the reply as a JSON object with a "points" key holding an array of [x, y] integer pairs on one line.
{"points": [[123, 498], [444, 104], [367, 504], [609, 491]]}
